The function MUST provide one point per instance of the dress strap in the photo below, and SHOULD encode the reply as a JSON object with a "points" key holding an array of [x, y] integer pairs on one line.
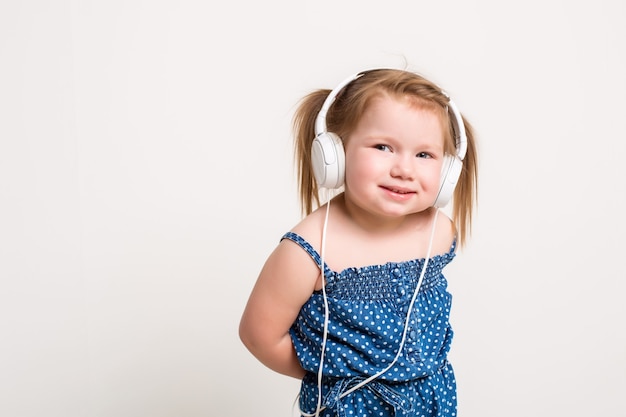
{"points": [[452, 250], [299, 240]]}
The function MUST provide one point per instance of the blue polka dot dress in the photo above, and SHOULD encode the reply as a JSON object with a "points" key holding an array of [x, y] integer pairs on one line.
{"points": [[368, 307]]}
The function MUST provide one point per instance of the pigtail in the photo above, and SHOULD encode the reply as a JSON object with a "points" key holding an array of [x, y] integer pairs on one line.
{"points": [[466, 191], [304, 134]]}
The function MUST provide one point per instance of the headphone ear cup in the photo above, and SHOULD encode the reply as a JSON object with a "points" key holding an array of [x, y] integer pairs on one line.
{"points": [[328, 160], [450, 173]]}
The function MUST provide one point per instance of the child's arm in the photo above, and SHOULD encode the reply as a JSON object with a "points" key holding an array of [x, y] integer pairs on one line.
{"points": [[287, 280]]}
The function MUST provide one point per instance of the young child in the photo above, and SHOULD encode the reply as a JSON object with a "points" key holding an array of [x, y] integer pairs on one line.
{"points": [[369, 336]]}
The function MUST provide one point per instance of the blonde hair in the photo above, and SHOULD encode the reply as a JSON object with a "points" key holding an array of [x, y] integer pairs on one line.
{"points": [[345, 113]]}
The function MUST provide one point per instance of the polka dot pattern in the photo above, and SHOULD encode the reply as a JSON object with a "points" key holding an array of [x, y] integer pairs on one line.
{"points": [[368, 307]]}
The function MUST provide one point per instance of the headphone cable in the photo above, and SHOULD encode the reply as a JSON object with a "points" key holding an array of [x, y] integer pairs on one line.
{"points": [[366, 381]]}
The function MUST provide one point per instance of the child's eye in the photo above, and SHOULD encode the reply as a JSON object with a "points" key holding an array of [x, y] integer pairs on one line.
{"points": [[424, 155], [384, 148]]}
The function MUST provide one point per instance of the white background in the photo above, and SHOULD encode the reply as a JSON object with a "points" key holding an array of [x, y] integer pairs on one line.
{"points": [[146, 174]]}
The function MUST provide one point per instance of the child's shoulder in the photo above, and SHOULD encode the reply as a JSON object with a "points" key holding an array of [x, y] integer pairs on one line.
{"points": [[310, 227], [445, 235]]}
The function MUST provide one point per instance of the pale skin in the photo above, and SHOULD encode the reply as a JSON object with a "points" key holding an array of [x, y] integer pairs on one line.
{"points": [[393, 165]]}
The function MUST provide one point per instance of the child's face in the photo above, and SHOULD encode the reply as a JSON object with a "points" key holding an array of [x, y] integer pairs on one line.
{"points": [[394, 158]]}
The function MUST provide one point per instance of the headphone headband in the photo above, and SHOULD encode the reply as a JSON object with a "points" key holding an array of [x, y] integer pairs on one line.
{"points": [[456, 119], [320, 120], [460, 138]]}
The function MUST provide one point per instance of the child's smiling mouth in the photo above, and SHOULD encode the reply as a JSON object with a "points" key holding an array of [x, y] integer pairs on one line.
{"points": [[398, 190]]}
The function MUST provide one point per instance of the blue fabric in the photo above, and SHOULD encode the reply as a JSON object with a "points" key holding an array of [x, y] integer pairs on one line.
{"points": [[367, 313]]}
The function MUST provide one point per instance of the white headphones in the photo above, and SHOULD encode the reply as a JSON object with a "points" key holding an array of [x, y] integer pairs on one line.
{"points": [[328, 156]]}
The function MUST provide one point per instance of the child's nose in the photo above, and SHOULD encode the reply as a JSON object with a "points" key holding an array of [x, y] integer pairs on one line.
{"points": [[403, 167]]}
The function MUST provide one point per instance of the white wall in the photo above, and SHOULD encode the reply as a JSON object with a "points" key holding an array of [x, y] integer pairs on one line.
{"points": [[146, 173]]}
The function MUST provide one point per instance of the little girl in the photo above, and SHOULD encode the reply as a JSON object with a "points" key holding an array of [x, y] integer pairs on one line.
{"points": [[353, 300]]}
